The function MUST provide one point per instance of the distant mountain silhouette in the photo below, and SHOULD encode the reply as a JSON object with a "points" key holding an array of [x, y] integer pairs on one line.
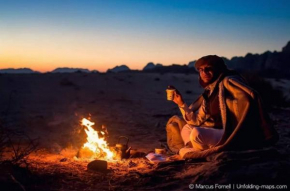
{"points": [[151, 66], [95, 71], [268, 64], [69, 70], [174, 68], [286, 49], [17, 71], [271, 64], [191, 64], [117, 69]]}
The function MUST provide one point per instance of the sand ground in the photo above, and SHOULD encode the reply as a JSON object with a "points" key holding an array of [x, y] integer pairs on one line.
{"points": [[49, 107]]}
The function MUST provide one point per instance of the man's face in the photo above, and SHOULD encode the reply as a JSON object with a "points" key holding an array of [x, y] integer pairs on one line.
{"points": [[206, 73]]}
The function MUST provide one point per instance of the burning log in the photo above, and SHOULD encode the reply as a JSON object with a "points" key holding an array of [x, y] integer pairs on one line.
{"points": [[96, 146], [85, 153]]}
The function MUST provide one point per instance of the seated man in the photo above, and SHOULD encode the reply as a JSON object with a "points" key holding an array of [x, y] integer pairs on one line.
{"points": [[227, 116]]}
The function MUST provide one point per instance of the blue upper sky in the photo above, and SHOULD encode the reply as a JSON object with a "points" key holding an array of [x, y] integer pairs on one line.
{"points": [[99, 34]]}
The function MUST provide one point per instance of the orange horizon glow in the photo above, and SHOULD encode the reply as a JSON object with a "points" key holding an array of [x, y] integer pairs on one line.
{"points": [[99, 35], [44, 49], [47, 58]]}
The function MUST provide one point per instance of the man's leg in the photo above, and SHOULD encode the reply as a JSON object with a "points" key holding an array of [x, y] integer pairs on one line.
{"points": [[174, 140], [203, 138], [176, 119], [185, 134]]}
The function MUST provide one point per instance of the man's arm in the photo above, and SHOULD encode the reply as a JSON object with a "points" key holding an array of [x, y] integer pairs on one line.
{"points": [[194, 114]]}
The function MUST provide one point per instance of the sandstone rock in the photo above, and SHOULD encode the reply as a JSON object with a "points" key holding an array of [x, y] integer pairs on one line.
{"points": [[98, 165]]}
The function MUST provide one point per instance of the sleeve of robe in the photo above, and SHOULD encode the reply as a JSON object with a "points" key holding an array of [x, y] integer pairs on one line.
{"points": [[193, 116]]}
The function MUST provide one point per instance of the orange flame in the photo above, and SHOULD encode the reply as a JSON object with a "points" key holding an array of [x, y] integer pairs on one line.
{"points": [[96, 144]]}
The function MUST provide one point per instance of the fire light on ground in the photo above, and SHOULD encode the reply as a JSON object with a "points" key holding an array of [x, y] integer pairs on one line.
{"points": [[96, 144]]}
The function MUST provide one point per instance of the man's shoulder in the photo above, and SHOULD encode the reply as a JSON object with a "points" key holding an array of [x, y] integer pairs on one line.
{"points": [[234, 79], [236, 83]]}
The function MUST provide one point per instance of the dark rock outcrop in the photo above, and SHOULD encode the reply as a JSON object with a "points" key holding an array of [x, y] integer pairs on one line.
{"points": [[17, 71], [174, 68], [270, 64], [117, 69], [151, 66], [191, 64], [70, 70]]}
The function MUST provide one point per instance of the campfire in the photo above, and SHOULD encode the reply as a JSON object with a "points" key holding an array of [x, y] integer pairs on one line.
{"points": [[97, 150], [96, 146]]}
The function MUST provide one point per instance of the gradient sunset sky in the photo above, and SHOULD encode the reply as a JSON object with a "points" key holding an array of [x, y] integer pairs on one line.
{"points": [[100, 34]]}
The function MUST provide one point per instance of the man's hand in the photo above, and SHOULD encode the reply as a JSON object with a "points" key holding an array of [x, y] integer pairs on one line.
{"points": [[178, 98]]}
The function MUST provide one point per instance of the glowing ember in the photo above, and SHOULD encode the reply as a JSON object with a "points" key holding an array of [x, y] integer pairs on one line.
{"points": [[96, 144]]}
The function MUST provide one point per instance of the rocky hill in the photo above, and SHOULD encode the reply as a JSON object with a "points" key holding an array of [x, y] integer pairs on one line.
{"points": [[69, 70], [117, 69], [268, 64], [151, 66], [17, 71], [271, 64]]}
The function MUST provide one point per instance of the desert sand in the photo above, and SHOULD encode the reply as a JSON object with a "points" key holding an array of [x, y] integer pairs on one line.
{"points": [[49, 107]]}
